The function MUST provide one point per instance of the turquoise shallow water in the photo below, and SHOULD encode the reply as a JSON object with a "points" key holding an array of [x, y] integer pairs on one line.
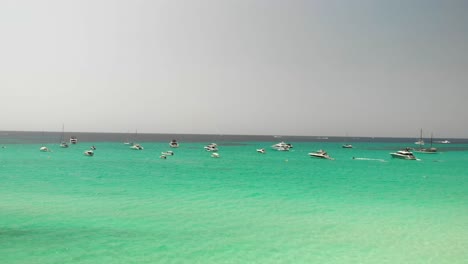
{"points": [[127, 206]]}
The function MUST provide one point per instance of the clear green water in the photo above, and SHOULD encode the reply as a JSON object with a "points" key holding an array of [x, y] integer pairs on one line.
{"points": [[127, 206]]}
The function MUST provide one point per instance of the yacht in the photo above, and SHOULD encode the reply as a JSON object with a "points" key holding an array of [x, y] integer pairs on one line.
{"points": [[93, 147], [64, 144], [282, 146], [430, 150], [262, 150], [136, 147], [174, 144], [215, 155], [347, 146], [444, 142], [89, 153], [44, 149], [420, 141], [320, 154], [403, 154], [73, 140], [163, 157], [168, 153], [213, 147]]}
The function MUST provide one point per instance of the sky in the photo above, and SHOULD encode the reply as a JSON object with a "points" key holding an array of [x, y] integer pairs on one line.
{"points": [[256, 67]]}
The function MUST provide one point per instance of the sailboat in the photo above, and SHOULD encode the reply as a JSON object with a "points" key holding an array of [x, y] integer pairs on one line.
{"points": [[63, 143], [346, 145], [127, 142], [136, 146], [420, 141], [430, 150]]}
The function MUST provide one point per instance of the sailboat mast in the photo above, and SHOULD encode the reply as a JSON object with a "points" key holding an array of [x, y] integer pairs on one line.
{"points": [[62, 137]]}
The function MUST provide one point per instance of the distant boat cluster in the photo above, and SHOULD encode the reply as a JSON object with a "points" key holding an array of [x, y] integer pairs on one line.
{"points": [[73, 140], [405, 154]]}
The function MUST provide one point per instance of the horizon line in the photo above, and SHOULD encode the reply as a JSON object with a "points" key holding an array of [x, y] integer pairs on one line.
{"points": [[217, 134]]}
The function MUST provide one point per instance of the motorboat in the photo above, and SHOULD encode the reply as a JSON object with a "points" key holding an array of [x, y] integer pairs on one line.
{"points": [[64, 144], [93, 148], [137, 147], [444, 142], [73, 140], [347, 145], [215, 155], [320, 154], [44, 149], [168, 153], [174, 144], [403, 154], [163, 157], [262, 150], [89, 153], [282, 146], [213, 147]]}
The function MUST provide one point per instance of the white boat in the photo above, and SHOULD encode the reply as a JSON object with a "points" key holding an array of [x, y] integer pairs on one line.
{"points": [[174, 144], [89, 153], [44, 149], [63, 144], [132, 143], [168, 153], [127, 141], [213, 147], [262, 150], [93, 148], [282, 146], [430, 150], [163, 157], [420, 141], [73, 140], [346, 145], [320, 154], [215, 155], [403, 154], [444, 142], [137, 147]]}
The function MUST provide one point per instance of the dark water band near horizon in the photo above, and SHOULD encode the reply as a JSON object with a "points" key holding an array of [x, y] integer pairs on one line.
{"points": [[23, 137]]}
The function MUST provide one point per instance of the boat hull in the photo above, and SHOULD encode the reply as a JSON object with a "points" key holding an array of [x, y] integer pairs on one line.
{"points": [[405, 157], [319, 156]]}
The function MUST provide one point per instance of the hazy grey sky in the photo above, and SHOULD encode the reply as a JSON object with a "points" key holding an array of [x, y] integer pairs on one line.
{"points": [[365, 68]]}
